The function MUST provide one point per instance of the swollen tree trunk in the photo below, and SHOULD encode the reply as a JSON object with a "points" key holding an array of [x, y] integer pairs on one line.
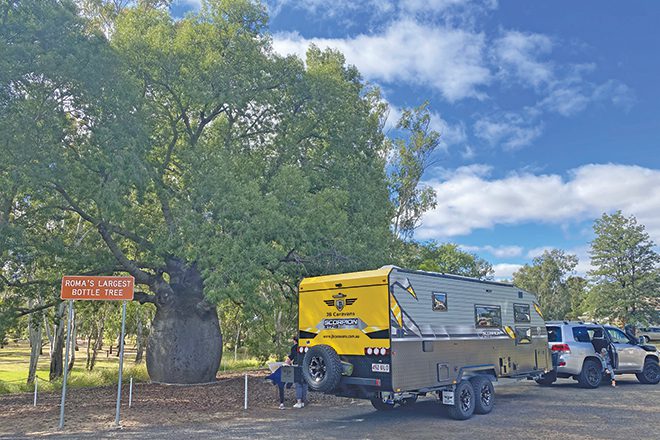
{"points": [[56, 362], [35, 344], [185, 343]]}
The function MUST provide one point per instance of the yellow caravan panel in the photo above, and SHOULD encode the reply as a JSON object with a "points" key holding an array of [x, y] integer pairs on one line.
{"points": [[344, 280], [349, 312]]}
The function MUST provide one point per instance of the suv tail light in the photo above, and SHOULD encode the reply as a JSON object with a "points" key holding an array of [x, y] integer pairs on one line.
{"points": [[561, 348]]}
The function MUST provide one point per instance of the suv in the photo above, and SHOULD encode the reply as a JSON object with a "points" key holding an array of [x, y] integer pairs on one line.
{"points": [[649, 334], [577, 344]]}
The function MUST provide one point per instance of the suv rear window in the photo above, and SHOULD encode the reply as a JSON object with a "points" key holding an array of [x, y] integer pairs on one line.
{"points": [[580, 334], [554, 334]]}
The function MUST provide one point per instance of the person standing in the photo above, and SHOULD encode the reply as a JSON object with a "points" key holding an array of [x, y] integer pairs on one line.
{"points": [[276, 378], [301, 388]]}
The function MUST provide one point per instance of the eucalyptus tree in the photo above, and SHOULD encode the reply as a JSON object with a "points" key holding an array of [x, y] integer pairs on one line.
{"points": [[626, 271], [549, 277]]}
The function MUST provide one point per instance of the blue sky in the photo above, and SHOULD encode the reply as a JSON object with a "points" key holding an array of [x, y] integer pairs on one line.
{"points": [[549, 111]]}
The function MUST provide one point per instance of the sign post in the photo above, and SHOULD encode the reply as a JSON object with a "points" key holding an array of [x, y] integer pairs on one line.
{"points": [[121, 359], [66, 364], [96, 288]]}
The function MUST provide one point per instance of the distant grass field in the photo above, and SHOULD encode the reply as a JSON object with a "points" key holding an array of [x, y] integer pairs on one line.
{"points": [[14, 363]]}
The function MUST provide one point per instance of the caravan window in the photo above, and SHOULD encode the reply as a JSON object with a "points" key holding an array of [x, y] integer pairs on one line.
{"points": [[439, 302], [521, 313], [523, 335], [488, 316]]}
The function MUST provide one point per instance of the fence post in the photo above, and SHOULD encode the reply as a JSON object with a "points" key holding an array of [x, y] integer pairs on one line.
{"points": [[130, 393], [246, 391], [36, 381]]}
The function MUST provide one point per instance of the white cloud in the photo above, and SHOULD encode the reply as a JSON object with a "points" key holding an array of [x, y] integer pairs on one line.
{"points": [[581, 252], [382, 9], [497, 251], [468, 153], [332, 9], [450, 134], [517, 55], [538, 251], [446, 59], [574, 97], [504, 271], [469, 200], [509, 130]]}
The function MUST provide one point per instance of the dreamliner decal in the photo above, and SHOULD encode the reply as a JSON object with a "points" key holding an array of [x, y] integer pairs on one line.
{"points": [[538, 310], [407, 286]]}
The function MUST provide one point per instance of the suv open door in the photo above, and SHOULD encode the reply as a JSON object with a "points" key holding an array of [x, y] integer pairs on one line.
{"points": [[600, 339]]}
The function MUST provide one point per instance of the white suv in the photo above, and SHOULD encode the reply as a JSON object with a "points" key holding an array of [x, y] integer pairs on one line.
{"points": [[577, 345]]}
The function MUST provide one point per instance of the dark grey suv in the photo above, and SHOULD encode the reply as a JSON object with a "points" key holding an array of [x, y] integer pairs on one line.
{"points": [[577, 345]]}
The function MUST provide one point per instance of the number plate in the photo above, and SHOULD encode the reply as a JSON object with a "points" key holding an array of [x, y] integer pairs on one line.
{"points": [[448, 397], [380, 368]]}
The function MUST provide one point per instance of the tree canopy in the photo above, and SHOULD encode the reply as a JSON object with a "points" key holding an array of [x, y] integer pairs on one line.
{"points": [[187, 154], [446, 258], [626, 274], [549, 278]]}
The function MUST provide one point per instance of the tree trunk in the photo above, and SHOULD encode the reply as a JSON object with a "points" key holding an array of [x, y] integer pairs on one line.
{"points": [[56, 362], [238, 338], [35, 327], [89, 349], [50, 337], [140, 339], [185, 344], [72, 359], [98, 343]]}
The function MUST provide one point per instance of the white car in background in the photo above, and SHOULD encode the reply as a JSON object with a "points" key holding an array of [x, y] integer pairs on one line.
{"points": [[648, 334]]}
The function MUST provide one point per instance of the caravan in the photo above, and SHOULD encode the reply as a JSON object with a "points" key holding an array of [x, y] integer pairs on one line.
{"points": [[391, 335]]}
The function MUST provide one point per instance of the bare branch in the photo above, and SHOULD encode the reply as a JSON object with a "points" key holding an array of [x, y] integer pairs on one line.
{"points": [[93, 220], [143, 298], [22, 312], [23, 284], [131, 267]]}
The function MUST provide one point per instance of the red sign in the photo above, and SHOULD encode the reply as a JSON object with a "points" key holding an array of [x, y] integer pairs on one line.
{"points": [[97, 288]]}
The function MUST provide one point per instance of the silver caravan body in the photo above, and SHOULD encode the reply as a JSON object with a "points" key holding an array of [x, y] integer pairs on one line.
{"points": [[452, 327]]}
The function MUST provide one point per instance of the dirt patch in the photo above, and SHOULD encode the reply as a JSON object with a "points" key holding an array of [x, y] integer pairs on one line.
{"points": [[93, 409]]}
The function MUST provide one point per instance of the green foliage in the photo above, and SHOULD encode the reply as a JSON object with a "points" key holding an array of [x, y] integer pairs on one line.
{"points": [[446, 258], [548, 278], [626, 274], [136, 143], [578, 289], [411, 158]]}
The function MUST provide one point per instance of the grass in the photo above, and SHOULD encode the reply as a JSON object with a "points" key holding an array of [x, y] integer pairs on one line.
{"points": [[14, 363]]}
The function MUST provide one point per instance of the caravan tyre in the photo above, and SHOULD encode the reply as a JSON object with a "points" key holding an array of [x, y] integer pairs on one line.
{"points": [[591, 374], [322, 368], [464, 401], [381, 402], [484, 393], [547, 379]]}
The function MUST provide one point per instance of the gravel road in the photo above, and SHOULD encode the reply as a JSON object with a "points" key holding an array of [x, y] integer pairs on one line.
{"points": [[523, 410]]}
